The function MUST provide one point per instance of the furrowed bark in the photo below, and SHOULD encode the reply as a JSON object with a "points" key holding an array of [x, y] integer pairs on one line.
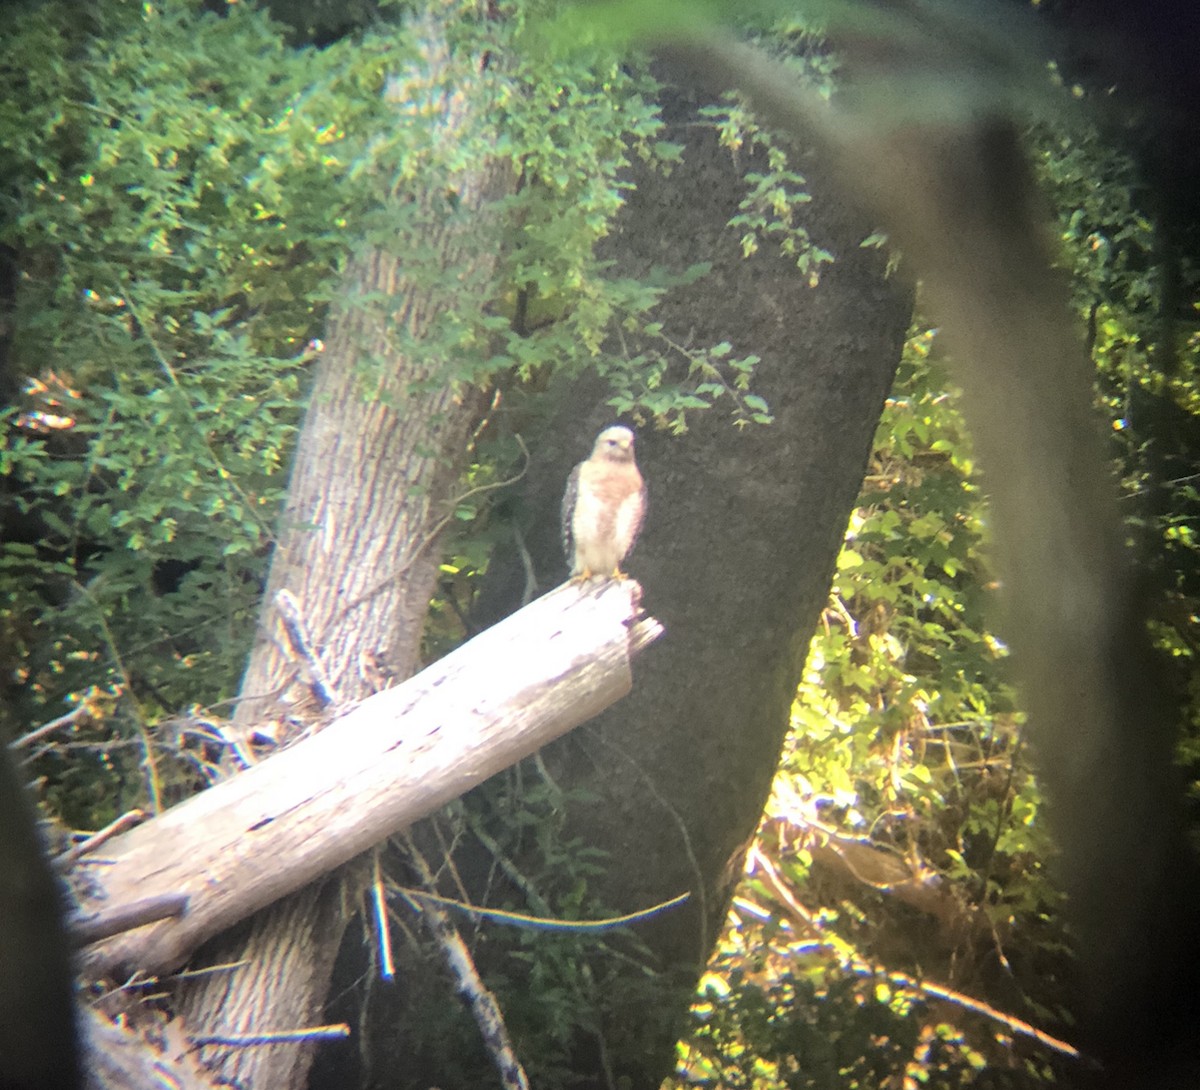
{"points": [[378, 461]]}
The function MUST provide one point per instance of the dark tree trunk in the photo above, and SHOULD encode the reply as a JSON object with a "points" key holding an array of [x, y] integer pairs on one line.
{"points": [[39, 1046], [736, 559]]}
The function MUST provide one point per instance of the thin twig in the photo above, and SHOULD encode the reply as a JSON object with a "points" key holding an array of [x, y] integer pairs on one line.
{"points": [[73, 717], [527, 565], [543, 923], [126, 821], [413, 554], [976, 1006], [292, 618], [488, 1016], [208, 970], [283, 1036], [387, 964], [154, 786], [852, 962], [508, 867], [684, 836], [190, 410], [138, 980]]}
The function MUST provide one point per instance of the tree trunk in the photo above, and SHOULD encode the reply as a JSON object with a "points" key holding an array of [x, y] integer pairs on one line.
{"points": [[742, 533], [379, 457]]}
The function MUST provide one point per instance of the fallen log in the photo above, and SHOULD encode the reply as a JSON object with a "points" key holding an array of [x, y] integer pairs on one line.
{"points": [[374, 770]]}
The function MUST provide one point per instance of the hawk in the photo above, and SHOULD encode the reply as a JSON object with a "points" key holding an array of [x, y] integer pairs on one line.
{"points": [[603, 507]]}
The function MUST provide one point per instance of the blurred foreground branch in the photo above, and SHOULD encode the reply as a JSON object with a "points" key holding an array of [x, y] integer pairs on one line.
{"points": [[958, 198]]}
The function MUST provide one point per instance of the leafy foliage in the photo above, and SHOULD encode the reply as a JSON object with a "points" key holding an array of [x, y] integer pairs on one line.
{"points": [[774, 195], [181, 192], [1145, 353], [170, 286]]}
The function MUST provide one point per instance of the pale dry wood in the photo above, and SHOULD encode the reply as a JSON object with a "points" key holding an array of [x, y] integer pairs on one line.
{"points": [[390, 760], [148, 1056]]}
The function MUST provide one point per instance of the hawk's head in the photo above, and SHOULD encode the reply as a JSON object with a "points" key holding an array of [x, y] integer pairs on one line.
{"points": [[614, 444]]}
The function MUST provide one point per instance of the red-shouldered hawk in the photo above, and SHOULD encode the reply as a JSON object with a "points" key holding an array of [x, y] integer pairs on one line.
{"points": [[603, 507]]}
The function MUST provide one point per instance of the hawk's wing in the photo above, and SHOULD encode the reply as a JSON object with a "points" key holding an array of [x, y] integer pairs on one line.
{"points": [[570, 498], [636, 515]]}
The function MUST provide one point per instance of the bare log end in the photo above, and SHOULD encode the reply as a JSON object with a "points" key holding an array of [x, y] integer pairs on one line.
{"points": [[623, 594]]}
